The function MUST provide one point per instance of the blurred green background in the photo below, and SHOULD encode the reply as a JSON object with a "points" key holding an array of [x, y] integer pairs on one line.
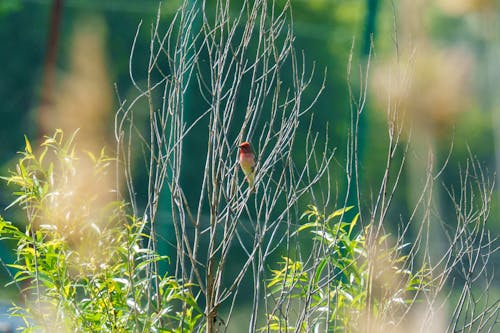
{"points": [[439, 61]]}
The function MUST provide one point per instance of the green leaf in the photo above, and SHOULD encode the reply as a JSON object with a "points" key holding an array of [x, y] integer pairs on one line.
{"points": [[42, 156], [319, 270], [339, 212], [16, 266], [28, 145], [311, 212], [353, 223], [18, 200], [307, 226]]}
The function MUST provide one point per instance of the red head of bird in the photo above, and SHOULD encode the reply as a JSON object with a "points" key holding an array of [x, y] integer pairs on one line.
{"points": [[245, 148]]}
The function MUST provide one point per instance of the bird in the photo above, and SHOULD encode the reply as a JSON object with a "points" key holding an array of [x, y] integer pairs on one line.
{"points": [[247, 163]]}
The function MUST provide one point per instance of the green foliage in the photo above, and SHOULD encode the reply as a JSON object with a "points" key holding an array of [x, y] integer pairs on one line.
{"points": [[8, 6], [350, 280], [82, 263]]}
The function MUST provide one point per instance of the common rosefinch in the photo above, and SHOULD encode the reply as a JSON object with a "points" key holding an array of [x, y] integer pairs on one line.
{"points": [[247, 163]]}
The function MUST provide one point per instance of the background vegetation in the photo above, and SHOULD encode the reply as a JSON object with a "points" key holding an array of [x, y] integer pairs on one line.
{"points": [[402, 126]]}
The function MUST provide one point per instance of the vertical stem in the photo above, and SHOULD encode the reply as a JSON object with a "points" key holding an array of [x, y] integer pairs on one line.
{"points": [[370, 26], [210, 295], [210, 291], [47, 93]]}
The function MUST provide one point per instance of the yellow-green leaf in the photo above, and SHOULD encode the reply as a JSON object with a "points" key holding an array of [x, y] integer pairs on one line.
{"points": [[339, 212], [353, 223], [28, 145]]}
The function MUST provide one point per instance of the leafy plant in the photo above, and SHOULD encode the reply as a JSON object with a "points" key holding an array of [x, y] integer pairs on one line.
{"points": [[83, 263], [351, 280]]}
